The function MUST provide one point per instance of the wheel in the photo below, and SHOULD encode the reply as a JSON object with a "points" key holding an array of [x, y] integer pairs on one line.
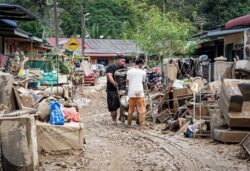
{"points": [[95, 82]]}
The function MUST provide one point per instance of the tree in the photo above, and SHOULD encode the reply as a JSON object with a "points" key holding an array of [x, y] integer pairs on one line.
{"points": [[70, 17], [33, 27], [109, 18], [162, 35], [219, 12]]}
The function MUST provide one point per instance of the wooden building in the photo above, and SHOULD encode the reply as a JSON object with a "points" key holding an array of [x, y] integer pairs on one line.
{"points": [[231, 41], [102, 51], [13, 38]]}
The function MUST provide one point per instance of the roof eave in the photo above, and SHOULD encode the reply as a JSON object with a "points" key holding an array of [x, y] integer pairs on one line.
{"points": [[21, 13]]}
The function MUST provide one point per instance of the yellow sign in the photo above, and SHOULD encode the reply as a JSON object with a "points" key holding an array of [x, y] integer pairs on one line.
{"points": [[73, 44]]}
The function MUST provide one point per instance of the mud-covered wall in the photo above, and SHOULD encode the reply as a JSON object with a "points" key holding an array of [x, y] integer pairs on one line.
{"points": [[248, 45], [6, 93], [237, 38]]}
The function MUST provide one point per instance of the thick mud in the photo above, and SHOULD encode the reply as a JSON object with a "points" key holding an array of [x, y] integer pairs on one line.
{"points": [[118, 147]]}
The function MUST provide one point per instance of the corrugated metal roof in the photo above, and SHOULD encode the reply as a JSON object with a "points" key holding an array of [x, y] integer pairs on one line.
{"points": [[225, 32], [103, 46], [111, 46], [219, 33]]}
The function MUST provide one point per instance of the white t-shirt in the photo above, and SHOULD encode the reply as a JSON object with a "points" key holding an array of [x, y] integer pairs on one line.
{"points": [[136, 77]]}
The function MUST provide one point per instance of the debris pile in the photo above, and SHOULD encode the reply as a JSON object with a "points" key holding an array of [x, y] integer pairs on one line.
{"points": [[183, 109], [233, 112], [26, 108]]}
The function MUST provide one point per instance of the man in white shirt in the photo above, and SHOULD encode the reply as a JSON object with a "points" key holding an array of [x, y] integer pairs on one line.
{"points": [[135, 79]]}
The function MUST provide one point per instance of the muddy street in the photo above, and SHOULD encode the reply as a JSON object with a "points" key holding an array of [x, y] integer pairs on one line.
{"points": [[118, 147]]}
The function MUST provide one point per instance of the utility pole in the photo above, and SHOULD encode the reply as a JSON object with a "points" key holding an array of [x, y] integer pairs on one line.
{"points": [[56, 22], [82, 30], [56, 37], [164, 8]]}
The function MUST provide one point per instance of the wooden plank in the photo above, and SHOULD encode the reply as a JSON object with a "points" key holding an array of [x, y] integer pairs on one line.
{"points": [[17, 98], [246, 143], [234, 102], [19, 113], [230, 136], [232, 95], [165, 94], [182, 92], [245, 90]]}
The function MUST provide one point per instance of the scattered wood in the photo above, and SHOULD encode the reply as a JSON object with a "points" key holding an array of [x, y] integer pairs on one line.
{"points": [[245, 143], [19, 113], [234, 103], [17, 98]]}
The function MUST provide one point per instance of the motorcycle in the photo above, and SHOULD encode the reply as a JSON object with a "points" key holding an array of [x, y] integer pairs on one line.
{"points": [[154, 81]]}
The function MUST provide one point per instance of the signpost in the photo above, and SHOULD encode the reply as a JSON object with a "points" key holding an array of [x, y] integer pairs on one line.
{"points": [[73, 44]]}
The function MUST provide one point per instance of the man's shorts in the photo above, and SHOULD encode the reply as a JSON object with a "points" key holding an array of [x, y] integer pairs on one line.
{"points": [[137, 102], [113, 101]]}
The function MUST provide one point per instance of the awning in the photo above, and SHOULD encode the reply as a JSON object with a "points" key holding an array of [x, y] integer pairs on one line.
{"points": [[36, 39], [43, 46], [14, 32], [9, 23], [21, 33], [104, 54], [224, 32], [16, 12]]}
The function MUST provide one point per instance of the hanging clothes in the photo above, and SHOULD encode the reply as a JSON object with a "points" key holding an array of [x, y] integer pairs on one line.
{"points": [[171, 70], [3, 58]]}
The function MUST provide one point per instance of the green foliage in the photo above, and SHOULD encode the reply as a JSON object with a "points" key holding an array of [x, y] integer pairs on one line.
{"points": [[120, 18], [162, 34], [218, 12], [70, 17], [108, 18], [34, 27], [52, 63]]}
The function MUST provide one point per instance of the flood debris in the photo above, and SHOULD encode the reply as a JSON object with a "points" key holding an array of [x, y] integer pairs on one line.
{"points": [[18, 142], [233, 111], [24, 115], [185, 111], [188, 105], [245, 148]]}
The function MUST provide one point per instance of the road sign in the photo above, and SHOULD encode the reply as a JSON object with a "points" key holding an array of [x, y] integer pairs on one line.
{"points": [[73, 44]]}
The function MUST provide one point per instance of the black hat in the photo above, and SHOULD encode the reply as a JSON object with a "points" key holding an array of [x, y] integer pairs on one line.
{"points": [[120, 56], [139, 61]]}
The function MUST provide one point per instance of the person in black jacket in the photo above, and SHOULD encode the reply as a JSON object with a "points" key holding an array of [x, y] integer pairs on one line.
{"points": [[112, 94]]}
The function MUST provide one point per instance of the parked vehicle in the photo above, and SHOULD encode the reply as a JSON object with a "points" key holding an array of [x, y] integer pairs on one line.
{"points": [[99, 68], [89, 75]]}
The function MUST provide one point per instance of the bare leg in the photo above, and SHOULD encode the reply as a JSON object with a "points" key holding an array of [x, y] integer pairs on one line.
{"points": [[142, 120], [121, 116], [114, 115], [130, 117]]}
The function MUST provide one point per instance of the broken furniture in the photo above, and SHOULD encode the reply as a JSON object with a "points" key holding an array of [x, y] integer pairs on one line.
{"points": [[246, 147], [234, 105], [19, 129]]}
